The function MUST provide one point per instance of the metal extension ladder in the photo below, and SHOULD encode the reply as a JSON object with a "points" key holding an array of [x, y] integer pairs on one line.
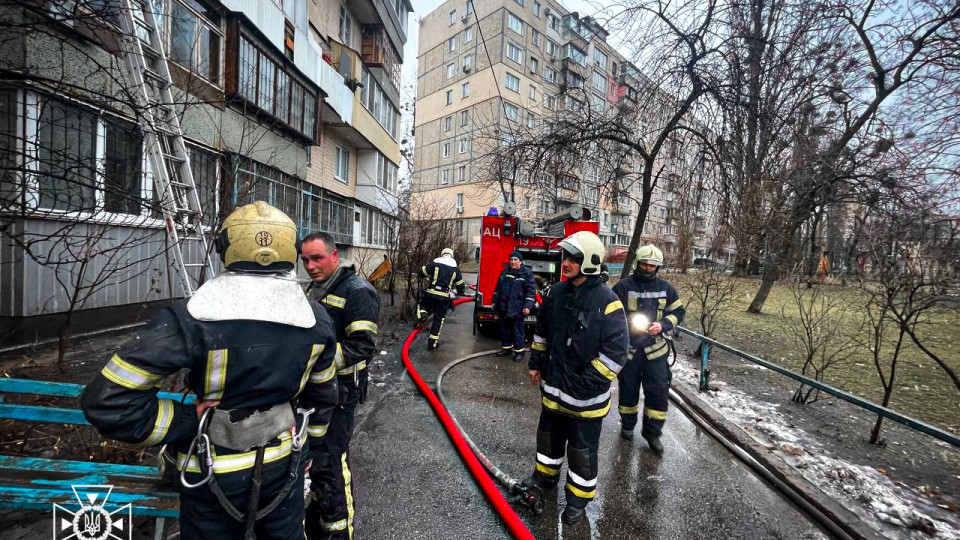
{"points": [[146, 66]]}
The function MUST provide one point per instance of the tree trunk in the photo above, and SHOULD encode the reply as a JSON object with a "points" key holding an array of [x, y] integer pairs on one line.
{"points": [[766, 285], [628, 263], [875, 432]]}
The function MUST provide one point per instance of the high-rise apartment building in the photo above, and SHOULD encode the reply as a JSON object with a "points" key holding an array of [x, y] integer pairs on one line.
{"points": [[488, 69], [293, 102]]}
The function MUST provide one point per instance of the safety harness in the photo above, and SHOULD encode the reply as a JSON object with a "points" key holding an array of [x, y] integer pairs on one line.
{"points": [[254, 431]]}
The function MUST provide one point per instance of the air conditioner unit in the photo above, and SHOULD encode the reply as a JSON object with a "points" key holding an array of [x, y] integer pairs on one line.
{"points": [[466, 69], [553, 58], [465, 18]]}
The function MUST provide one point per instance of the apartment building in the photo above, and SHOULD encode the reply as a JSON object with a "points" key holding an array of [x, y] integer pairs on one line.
{"points": [[293, 102], [490, 68]]}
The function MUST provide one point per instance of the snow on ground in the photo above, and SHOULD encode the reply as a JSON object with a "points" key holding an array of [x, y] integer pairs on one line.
{"points": [[892, 508]]}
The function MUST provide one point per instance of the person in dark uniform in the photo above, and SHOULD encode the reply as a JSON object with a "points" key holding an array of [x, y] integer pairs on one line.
{"points": [[354, 306], [252, 344], [579, 348], [513, 298], [437, 298], [653, 308]]}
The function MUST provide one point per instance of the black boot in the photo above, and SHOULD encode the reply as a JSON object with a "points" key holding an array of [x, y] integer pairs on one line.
{"points": [[573, 515], [626, 434], [433, 344], [654, 443], [504, 352], [517, 356]]}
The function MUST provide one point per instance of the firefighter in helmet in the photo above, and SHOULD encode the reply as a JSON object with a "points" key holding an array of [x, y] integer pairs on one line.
{"points": [[653, 309], [579, 348], [444, 278], [354, 306], [252, 344], [513, 298]]}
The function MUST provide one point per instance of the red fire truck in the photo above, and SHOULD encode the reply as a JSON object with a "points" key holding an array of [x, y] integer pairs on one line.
{"points": [[501, 234]]}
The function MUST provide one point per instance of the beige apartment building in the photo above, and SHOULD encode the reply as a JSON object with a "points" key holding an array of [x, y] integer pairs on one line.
{"points": [[486, 68]]}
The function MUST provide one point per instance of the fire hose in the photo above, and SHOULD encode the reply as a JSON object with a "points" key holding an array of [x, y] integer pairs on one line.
{"points": [[497, 500]]}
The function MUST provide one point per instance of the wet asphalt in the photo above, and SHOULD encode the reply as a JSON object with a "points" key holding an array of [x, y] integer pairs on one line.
{"points": [[409, 482]]}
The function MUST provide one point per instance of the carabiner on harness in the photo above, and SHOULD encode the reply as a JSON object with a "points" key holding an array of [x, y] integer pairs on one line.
{"points": [[201, 447], [301, 435]]}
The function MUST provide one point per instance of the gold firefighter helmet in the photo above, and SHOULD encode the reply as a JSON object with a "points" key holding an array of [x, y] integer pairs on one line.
{"points": [[650, 254], [258, 238], [587, 245], [447, 251]]}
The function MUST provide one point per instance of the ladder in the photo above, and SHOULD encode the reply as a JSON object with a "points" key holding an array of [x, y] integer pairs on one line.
{"points": [[146, 67]]}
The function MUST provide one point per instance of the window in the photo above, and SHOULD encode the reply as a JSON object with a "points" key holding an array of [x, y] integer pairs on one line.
{"points": [[535, 37], [513, 53], [536, 9], [574, 80], [519, 1], [465, 90], [511, 110], [467, 62], [468, 35], [342, 172], [514, 23], [266, 84], [513, 82], [551, 48], [459, 202], [446, 149], [195, 38], [575, 53], [447, 123], [531, 121], [600, 58], [598, 103], [599, 81], [551, 75], [288, 37], [464, 118], [67, 153], [534, 65], [445, 177], [533, 92], [554, 22], [462, 173], [452, 44], [451, 69], [346, 27], [469, 7], [122, 172], [551, 102], [453, 17], [386, 173], [449, 97], [462, 149]]}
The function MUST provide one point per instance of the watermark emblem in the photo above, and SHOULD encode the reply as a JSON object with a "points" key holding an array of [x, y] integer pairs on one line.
{"points": [[92, 520]]}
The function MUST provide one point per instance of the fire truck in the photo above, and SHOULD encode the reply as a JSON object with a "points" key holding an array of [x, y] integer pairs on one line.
{"points": [[502, 234]]}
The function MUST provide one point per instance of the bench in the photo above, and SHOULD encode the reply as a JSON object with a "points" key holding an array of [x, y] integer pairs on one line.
{"points": [[39, 483]]}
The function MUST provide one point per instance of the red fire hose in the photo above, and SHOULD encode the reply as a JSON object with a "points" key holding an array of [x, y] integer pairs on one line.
{"points": [[500, 504]]}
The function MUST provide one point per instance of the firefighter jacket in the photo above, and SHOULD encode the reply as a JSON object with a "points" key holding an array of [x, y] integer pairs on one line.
{"points": [[354, 306], [516, 290], [659, 301], [444, 276], [248, 366], [579, 347]]}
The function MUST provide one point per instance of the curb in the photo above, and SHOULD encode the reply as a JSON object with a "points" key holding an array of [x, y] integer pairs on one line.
{"points": [[844, 518]]}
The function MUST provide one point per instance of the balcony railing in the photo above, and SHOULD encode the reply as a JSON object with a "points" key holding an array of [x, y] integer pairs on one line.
{"points": [[376, 51]]}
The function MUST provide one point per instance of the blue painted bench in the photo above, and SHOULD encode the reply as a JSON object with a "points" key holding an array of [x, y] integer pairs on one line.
{"points": [[39, 483]]}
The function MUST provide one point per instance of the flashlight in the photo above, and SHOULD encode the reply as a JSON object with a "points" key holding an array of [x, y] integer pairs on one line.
{"points": [[640, 322]]}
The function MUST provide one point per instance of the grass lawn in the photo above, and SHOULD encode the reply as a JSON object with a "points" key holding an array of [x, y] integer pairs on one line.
{"points": [[922, 389]]}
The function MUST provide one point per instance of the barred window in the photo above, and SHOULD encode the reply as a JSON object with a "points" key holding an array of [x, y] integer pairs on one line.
{"points": [[66, 150], [122, 168], [195, 38]]}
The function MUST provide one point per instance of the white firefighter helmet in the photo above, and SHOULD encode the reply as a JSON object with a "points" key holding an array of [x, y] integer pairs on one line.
{"points": [[650, 254], [258, 238], [447, 252], [589, 246]]}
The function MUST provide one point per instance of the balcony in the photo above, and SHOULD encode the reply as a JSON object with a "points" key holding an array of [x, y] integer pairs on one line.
{"points": [[572, 66], [384, 13], [380, 56]]}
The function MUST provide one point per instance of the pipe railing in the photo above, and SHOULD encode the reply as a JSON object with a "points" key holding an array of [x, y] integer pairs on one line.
{"points": [[918, 425]]}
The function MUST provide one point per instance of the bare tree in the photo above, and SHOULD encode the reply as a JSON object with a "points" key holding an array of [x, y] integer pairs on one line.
{"points": [[712, 291]]}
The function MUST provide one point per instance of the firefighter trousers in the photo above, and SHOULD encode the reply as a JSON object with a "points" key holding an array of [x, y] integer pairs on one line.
{"points": [[511, 334], [201, 515], [654, 377], [436, 306], [330, 515], [579, 440]]}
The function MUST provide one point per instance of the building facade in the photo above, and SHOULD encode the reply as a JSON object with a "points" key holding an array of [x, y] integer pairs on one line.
{"points": [[489, 69], [294, 102]]}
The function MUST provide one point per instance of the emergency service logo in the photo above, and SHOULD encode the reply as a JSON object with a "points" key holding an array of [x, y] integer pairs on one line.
{"points": [[92, 521]]}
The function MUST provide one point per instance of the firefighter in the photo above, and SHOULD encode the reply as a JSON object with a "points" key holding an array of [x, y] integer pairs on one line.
{"points": [[354, 306], [513, 298], [653, 309], [578, 349], [444, 278], [252, 344]]}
